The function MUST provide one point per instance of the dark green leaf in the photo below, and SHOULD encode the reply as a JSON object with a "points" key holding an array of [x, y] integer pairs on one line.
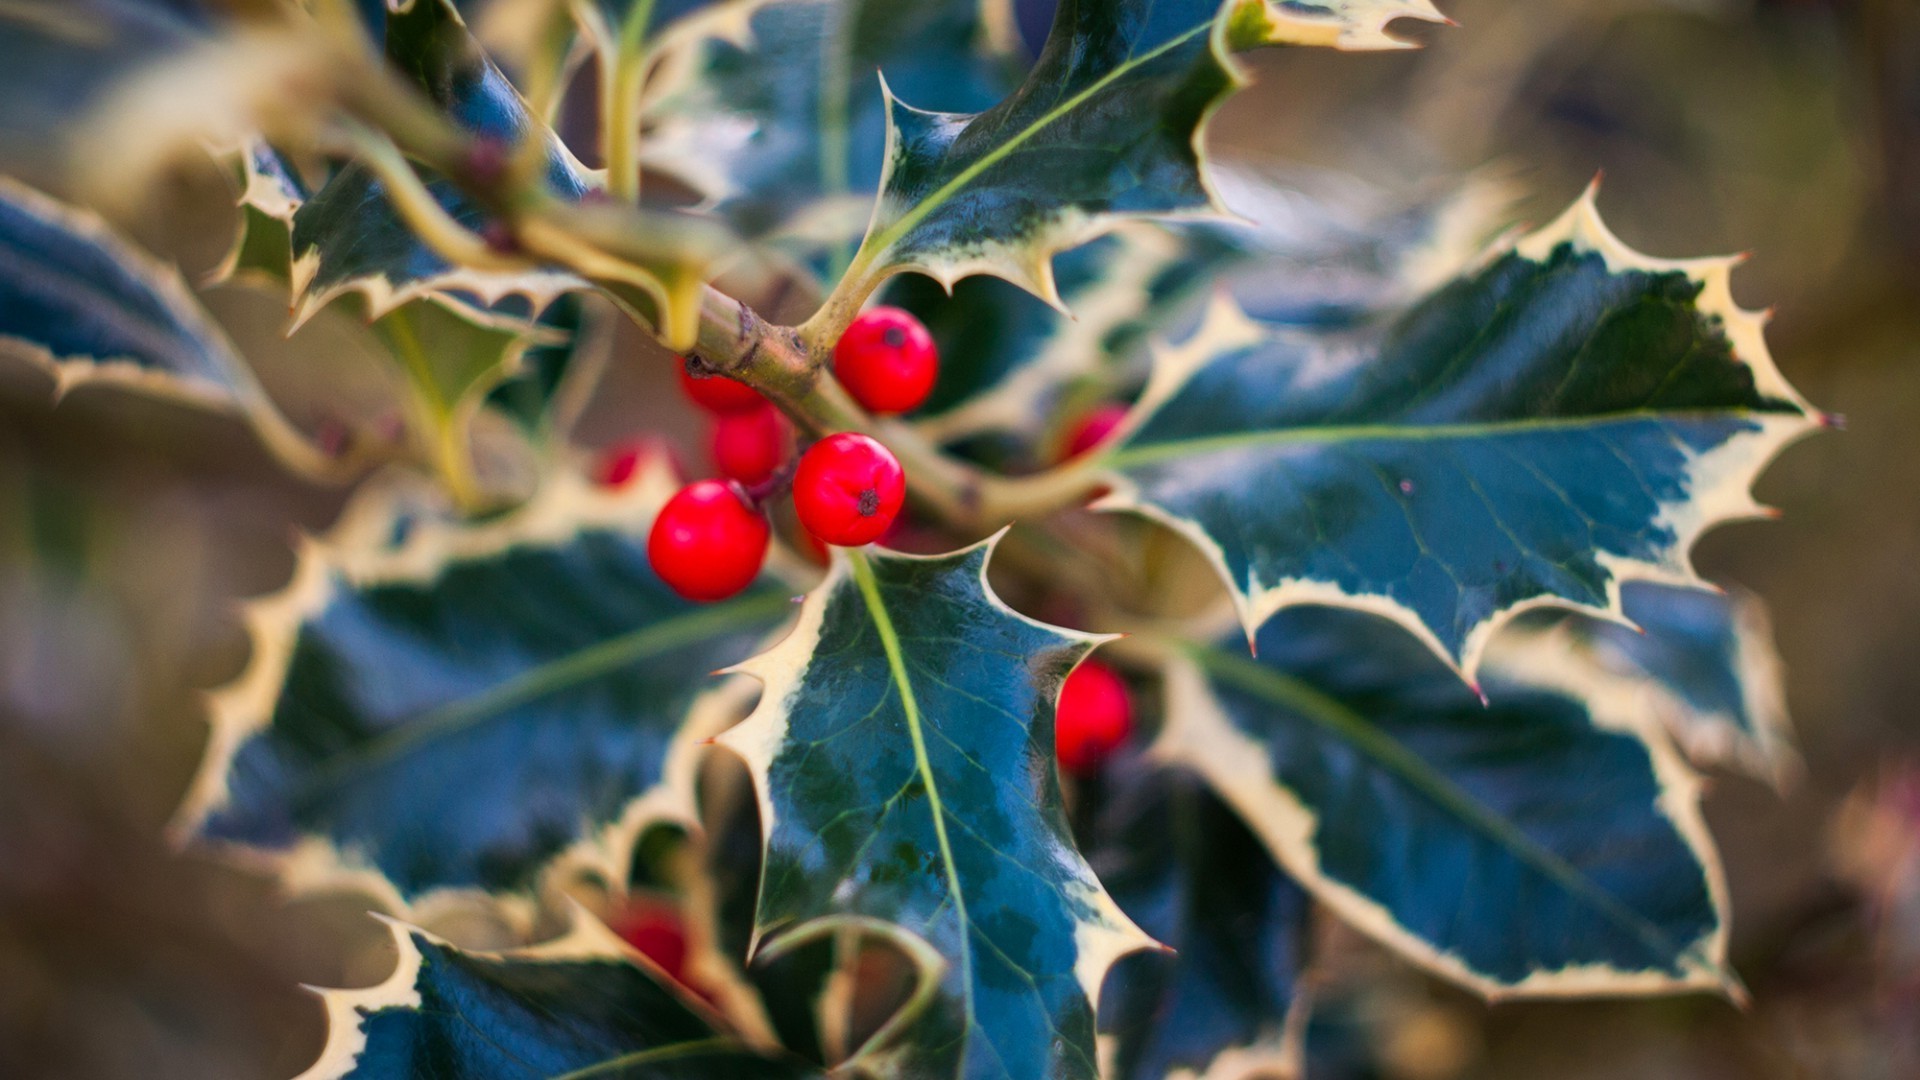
{"points": [[1546, 841], [1184, 868], [350, 238], [1108, 124], [1571, 416], [786, 133], [579, 1007], [1715, 678], [86, 306], [434, 708], [903, 751]]}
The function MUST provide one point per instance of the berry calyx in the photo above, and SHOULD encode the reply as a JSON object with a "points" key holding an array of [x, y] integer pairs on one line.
{"points": [[655, 931], [1094, 718], [708, 542], [848, 489], [717, 393], [1094, 428], [749, 446], [887, 361]]}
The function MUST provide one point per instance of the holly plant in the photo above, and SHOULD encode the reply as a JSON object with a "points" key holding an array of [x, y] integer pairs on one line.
{"points": [[1383, 616]]}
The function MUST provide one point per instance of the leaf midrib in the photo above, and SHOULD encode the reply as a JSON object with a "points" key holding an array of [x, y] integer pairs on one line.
{"points": [[895, 232], [897, 665], [1331, 715], [1349, 433], [572, 669]]}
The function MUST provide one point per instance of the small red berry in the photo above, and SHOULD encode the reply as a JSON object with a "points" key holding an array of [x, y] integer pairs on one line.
{"points": [[620, 462], [848, 489], [655, 931], [708, 543], [1094, 428], [1095, 716], [887, 360], [749, 446], [717, 393]]}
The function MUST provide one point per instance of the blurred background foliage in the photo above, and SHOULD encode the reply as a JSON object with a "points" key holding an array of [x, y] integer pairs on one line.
{"points": [[130, 530]]}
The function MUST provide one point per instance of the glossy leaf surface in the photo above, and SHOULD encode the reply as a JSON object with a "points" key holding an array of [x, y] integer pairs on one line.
{"points": [[903, 752], [1189, 873], [434, 707], [1546, 841], [578, 1007], [1569, 417]]}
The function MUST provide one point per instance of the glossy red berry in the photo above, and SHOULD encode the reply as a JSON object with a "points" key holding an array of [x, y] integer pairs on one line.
{"points": [[708, 543], [887, 360], [1094, 428], [717, 393], [848, 489], [656, 932], [1095, 716], [749, 446]]}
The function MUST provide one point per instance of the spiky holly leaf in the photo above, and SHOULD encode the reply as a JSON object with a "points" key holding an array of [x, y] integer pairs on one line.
{"points": [[581, 1006], [1185, 868], [1570, 416], [86, 306], [785, 132], [903, 754], [1546, 841], [349, 237], [1009, 361], [1343, 24], [435, 708], [1715, 677], [271, 191], [1108, 124]]}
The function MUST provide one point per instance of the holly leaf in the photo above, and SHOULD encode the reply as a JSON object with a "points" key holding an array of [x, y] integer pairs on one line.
{"points": [[271, 191], [435, 709], [1714, 677], [1342, 24], [1546, 841], [1182, 865], [349, 237], [1108, 124], [86, 306], [1012, 363], [581, 1006], [783, 132], [903, 755], [1570, 416]]}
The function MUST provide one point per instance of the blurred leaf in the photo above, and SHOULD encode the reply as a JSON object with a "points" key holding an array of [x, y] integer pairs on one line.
{"points": [[436, 708], [582, 1006], [1545, 841]]}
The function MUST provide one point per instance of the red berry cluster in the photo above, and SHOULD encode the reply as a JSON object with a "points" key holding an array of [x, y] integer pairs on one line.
{"points": [[711, 538]]}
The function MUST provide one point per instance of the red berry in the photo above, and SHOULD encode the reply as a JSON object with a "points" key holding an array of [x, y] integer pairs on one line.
{"points": [[1094, 428], [749, 446], [717, 393], [655, 932], [1095, 716], [848, 489], [887, 361], [708, 543], [620, 462]]}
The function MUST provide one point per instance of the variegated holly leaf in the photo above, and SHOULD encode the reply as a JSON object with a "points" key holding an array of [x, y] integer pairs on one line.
{"points": [[1570, 416], [1010, 362], [1108, 124], [1343, 24], [1182, 865], [1714, 676], [271, 191], [83, 304], [903, 754], [435, 708], [349, 237], [1544, 841], [581, 1006], [784, 132]]}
